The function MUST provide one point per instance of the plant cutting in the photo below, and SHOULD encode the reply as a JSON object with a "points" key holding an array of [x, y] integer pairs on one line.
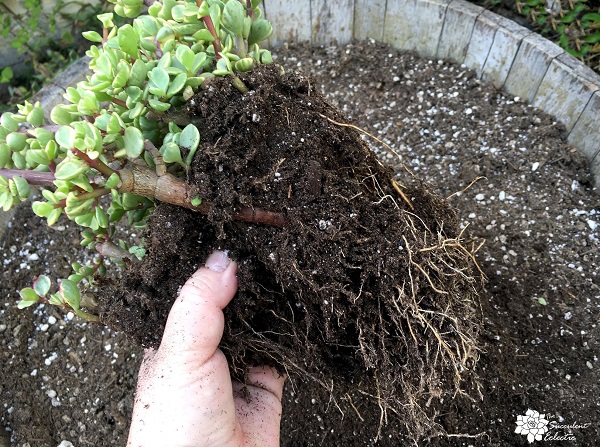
{"points": [[348, 276]]}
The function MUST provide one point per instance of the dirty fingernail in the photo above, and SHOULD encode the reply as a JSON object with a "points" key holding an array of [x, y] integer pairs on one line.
{"points": [[218, 261]]}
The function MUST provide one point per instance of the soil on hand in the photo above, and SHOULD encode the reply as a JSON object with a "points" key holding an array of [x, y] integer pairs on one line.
{"points": [[64, 379], [367, 283]]}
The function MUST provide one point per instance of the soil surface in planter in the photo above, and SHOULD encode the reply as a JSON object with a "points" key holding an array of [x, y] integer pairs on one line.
{"points": [[67, 380]]}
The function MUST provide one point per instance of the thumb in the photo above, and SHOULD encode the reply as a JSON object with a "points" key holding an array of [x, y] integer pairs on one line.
{"points": [[195, 324]]}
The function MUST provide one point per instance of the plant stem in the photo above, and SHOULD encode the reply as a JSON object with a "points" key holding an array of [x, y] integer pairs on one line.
{"points": [[111, 250], [210, 26], [85, 196], [239, 85], [96, 164], [168, 188], [33, 177]]}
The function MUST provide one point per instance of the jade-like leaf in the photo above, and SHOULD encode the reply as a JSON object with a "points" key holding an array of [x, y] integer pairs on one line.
{"points": [[112, 181], [106, 19], [171, 153], [101, 217], [69, 168], [36, 157], [177, 84], [53, 216], [42, 285], [70, 293], [186, 56], [22, 187], [259, 31], [159, 81], [245, 64], [158, 105], [122, 75], [134, 142], [128, 40], [16, 141], [233, 17], [62, 115], [8, 122], [28, 294], [65, 137], [42, 209], [92, 36], [5, 155], [190, 139], [36, 117], [204, 35]]}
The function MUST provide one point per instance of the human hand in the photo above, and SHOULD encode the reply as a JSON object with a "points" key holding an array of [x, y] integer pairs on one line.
{"points": [[185, 395]]}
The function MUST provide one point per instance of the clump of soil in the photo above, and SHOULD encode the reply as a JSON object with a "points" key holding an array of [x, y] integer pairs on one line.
{"points": [[367, 284]]}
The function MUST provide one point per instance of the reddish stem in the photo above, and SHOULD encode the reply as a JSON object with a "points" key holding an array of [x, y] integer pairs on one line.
{"points": [[120, 102], [33, 177], [217, 42], [210, 26], [96, 164]]}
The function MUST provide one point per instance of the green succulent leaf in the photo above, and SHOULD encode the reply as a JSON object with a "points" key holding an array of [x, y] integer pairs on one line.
{"points": [[159, 106], [9, 123], [65, 137], [177, 84], [112, 181], [22, 187], [259, 31], [92, 36], [41, 285], [138, 251], [128, 40], [36, 117], [159, 81], [70, 293], [5, 155], [233, 17], [106, 19], [190, 139], [171, 153], [28, 298], [69, 169], [134, 142], [185, 56], [42, 209]]}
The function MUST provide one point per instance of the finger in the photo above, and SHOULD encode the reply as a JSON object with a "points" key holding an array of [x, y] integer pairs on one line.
{"points": [[258, 405], [266, 378], [195, 323]]}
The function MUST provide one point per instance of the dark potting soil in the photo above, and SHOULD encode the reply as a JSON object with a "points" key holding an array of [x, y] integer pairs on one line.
{"points": [[66, 380]]}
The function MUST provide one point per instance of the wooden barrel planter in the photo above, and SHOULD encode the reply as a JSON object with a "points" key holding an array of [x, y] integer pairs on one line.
{"points": [[505, 54]]}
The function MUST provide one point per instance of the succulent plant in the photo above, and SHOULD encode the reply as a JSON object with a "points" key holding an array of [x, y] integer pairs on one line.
{"points": [[120, 133]]}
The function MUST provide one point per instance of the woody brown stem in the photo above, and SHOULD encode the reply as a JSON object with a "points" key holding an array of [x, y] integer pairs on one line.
{"points": [[168, 188]]}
